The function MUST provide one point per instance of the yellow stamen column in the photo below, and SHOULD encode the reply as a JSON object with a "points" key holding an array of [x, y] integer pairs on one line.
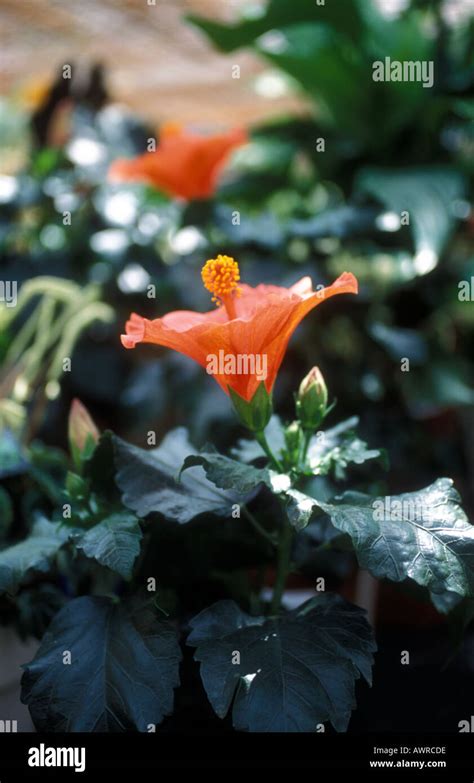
{"points": [[220, 276]]}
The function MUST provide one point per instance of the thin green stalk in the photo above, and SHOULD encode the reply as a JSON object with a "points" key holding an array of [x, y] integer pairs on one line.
{"points": [[23, 338], [307, 435], [54, 287], [96, 311], [258, 527], [261, 439], [35, 355]]}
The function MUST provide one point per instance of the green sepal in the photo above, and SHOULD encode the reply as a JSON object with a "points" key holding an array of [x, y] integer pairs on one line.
{"points": [[255, 414]]}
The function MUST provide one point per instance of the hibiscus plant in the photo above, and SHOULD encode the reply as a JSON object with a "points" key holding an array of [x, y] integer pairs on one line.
{"points": [[162, 549]]}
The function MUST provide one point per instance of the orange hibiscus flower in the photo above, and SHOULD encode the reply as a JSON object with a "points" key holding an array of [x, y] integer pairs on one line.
{"points": [[243, 341], [184, 165]]}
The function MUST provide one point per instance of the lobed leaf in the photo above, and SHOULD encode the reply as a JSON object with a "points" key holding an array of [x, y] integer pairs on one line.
{"points": [[292, 672]]}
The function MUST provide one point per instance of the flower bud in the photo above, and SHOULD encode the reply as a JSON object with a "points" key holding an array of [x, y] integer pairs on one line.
{"points": [[312, 400], [256, 413], [293, 437], [82, 432]]}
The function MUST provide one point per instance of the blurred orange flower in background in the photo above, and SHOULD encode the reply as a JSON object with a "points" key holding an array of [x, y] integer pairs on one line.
{"points": [[247, 322], [186, 165]]}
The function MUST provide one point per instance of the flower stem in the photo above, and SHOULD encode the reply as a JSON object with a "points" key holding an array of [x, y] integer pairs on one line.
{"points": [[307, 435], [283, 565], [261, 439], [257, 526]]}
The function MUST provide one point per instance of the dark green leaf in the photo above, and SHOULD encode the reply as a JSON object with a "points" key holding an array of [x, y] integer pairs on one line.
{"points": [[149, 481], [278, 14], [114, 542], [35, 553], [328, 68], [427, 196], [336, 448], [123, 670], [294, 672], [399, 104], [227, 473], [424, 536], [300, 508]]}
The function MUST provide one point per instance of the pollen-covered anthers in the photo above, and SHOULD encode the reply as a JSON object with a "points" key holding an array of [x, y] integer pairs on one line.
{"points": [[220, 276]]}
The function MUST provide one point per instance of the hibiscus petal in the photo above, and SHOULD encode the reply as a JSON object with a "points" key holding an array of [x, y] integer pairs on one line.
{"points": [[185, 165], [267, 318]]}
